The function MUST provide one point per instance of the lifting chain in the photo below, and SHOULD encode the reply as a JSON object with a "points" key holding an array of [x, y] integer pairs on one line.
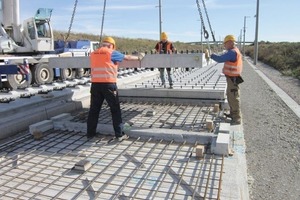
{"points": [[206, 35], [212, 33], [72, 18]]}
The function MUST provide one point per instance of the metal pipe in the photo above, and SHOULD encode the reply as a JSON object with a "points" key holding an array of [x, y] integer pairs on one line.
{"points": [[160, 21], [102, 24], [256, 34], [244, 34], [201, 39]]}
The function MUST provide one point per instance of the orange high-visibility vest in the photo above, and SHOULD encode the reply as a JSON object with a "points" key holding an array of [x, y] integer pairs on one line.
{"points": [[103, 70], [234, 68], [160, 45]]}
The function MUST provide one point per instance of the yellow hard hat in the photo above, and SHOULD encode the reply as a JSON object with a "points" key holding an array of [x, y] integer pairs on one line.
{"points": [[229, 38], [110, 40], [163, 36]]}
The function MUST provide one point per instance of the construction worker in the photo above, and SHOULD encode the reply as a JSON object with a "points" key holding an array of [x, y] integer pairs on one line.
{"points": [[165, 47], [104, 72], [232, 69]]}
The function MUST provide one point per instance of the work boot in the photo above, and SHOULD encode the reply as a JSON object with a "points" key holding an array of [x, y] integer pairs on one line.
{"points": [[235, 121], [123, 137], [228, 115], [163, 85], [90, 136]]}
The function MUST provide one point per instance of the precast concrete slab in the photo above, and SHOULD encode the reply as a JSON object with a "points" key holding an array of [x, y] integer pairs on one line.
{"points": [[167, 121], [43, 102], [148, 61], [17, 115], [23, 107], [196, 83]]}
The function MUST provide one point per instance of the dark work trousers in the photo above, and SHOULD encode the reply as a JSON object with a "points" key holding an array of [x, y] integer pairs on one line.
{"points": [[162, 76], [99, 93], [233, 97]]}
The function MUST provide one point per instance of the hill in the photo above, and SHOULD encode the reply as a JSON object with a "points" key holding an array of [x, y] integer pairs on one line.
{"points": [[127, 44]]}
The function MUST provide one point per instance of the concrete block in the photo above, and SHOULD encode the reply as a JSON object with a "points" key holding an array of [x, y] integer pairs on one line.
{"points": [[216, 108], [199, 151], [150, 113], [209, 125], [224, 128], [221, 145], [63, 116], [37, 135], [83, 165], [42, 126]]}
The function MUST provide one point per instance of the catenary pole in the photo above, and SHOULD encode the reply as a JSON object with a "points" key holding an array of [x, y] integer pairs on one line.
{"points": [[256, 35], [101, 33], [245, 17], [160, 20]]}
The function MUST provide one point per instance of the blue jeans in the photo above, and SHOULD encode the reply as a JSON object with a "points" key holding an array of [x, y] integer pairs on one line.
{"points": [[162, 76], [109, 92]]}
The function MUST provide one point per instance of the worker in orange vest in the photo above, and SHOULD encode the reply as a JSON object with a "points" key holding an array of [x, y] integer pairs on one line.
{"points": [[165, 47], [104, 72], [232, 69]]}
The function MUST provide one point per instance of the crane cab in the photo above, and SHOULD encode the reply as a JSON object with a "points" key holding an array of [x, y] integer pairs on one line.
{"points": [[38, 31]]}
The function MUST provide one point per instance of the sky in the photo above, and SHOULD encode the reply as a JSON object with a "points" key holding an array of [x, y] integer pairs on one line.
{"points": [[278, 21]]}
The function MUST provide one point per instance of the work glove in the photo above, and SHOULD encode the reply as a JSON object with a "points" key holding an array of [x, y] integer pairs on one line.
{"points": [[141, 56], [207, 55]]}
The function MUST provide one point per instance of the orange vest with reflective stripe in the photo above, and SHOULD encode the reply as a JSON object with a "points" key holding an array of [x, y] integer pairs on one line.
{"points": [[234, 68], [103, 70], [160, 45]]}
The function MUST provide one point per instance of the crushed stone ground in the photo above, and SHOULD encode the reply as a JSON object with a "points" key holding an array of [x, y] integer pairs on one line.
{"points": [[272, 135]]}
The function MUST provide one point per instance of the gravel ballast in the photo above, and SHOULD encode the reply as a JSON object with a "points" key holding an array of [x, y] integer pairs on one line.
{"points": [[272, 135]]}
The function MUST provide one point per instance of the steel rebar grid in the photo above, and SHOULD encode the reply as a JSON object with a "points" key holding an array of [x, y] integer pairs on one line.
{"points": [[188, 117], [95, 177], [41, 161], [69, 163], [162, 166]]}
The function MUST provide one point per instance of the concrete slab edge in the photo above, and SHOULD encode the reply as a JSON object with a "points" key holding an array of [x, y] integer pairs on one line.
{"points": [[220, 143], [235, 168], [21, 121]]}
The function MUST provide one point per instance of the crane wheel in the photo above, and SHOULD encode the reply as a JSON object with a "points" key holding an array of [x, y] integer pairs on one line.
{"points": [[42, 74], [15, 81], [67, 73], [79, 73], [86, 72]]}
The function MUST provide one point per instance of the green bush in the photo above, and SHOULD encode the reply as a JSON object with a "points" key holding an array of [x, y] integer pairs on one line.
{"points": [[283, 56]]}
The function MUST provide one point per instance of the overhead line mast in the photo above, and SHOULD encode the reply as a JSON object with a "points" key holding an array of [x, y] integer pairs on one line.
{"points": [[102, 24]]}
